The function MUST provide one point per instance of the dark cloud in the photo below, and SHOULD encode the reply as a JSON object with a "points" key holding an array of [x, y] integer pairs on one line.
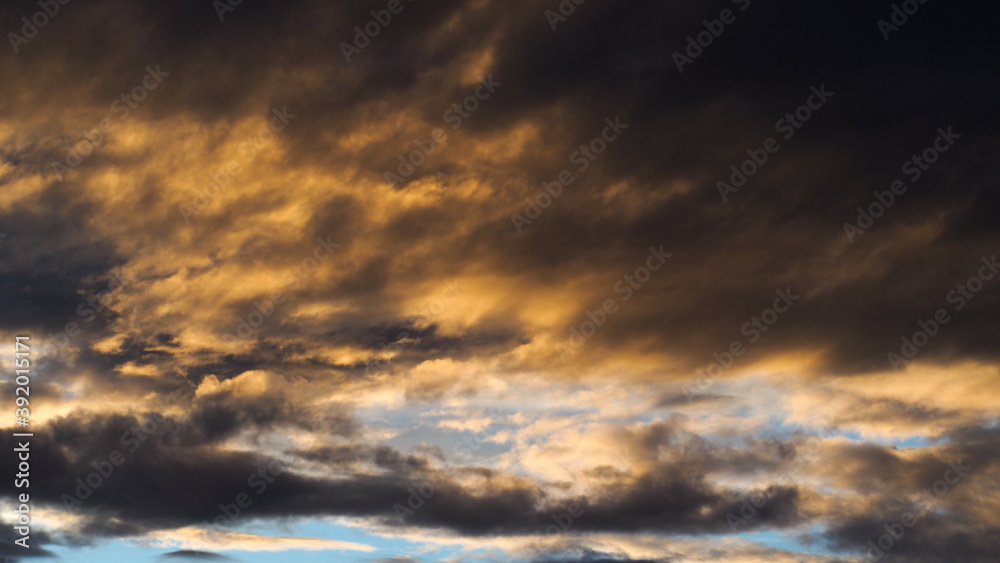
{"points": [[190, 554], [162, 457], [595, 557], [783, 228], [15, 552]]}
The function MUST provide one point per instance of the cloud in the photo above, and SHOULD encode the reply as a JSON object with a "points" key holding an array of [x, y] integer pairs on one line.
{"points": [[286, 304], [194, 540], [190, 554]]}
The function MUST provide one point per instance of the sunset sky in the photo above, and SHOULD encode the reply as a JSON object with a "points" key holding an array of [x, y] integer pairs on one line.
{"points": [[519, 280]]}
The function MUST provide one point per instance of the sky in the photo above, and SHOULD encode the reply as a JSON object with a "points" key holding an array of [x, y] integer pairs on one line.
{"points": [[483, 280]]}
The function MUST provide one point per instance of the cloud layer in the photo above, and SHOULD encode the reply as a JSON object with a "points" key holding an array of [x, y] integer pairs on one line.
{"points": [[529, 291]]}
